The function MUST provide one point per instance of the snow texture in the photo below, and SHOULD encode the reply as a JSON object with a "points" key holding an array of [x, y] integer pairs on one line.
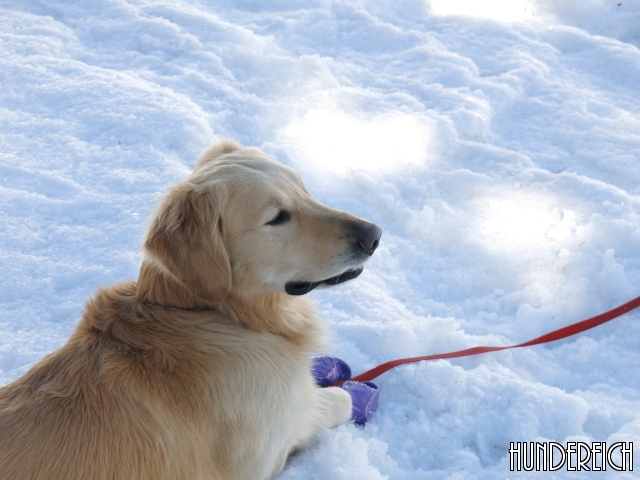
{"points": [[498, 147]]}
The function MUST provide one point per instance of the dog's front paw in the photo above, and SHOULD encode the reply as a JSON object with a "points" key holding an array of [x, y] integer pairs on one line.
{"points": [[327, 370], [364, 399]]}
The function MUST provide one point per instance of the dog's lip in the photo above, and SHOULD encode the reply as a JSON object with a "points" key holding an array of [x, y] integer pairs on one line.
{"points": [[301, 288]]}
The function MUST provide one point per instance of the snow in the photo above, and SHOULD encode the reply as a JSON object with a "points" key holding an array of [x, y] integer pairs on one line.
{"points": [[497, 147]]}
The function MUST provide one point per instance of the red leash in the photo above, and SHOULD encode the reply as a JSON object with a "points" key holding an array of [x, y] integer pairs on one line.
{"points": [[558, 334]]}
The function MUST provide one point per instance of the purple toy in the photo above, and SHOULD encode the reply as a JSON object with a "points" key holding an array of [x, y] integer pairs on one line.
{"points": [[327, 370], [365, 396]]}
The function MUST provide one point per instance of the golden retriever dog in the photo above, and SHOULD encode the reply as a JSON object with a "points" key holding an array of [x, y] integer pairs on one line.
{"points": [[200, 369]]}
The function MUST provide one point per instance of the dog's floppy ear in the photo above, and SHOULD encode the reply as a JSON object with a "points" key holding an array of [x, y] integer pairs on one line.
{"points": [[185, 238]]}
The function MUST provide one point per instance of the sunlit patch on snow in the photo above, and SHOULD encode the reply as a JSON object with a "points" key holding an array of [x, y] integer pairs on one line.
{"points": [[523, 221], [503, 10], [340, 142]]}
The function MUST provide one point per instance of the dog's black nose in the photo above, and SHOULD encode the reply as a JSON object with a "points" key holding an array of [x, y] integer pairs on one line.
{"points": [[368, 237]]}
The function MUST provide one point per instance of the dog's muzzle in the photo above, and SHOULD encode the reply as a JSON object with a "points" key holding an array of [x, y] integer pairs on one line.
{"points": [[366, 237]]}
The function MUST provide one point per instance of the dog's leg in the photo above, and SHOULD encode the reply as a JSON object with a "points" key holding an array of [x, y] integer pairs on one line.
{"points": [[336, 406], [280, 462], [333, 408]]}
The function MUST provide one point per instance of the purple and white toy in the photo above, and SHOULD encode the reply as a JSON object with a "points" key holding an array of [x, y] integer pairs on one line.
{"points": [[327, 370], [364, 395]]}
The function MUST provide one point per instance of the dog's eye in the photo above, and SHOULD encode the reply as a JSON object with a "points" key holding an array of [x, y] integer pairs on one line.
{"points": [[283, 216]]}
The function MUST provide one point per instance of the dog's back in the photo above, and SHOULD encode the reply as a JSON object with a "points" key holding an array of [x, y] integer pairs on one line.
{"points": [[93, 409]]}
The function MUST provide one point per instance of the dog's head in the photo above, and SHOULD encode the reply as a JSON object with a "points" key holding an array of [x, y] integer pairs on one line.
{"points": [[244, 224]]}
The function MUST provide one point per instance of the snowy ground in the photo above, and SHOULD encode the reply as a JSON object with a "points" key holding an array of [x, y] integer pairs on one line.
{"points": [[496, 143]]}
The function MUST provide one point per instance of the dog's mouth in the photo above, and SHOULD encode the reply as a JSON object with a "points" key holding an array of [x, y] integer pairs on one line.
{"points": [[300, 288]]}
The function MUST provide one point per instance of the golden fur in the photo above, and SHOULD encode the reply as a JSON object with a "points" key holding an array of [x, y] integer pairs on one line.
{"points": [[200, 369]]}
